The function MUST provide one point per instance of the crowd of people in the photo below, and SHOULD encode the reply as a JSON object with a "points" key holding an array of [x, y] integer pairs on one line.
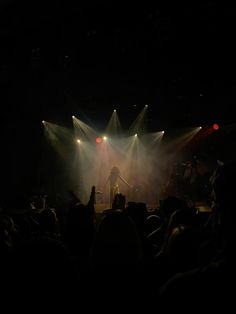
{"points": [[125, 256]]}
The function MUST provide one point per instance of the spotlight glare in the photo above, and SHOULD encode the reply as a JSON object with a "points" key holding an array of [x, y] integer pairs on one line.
{"points": [[73, 117], [136, 135], [114, 110], [78, 141], [163, 132], [200, 127], [43, 122], [146, 106], [105, 138]]}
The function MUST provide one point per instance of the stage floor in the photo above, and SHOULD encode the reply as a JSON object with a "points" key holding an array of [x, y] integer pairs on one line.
{"points": [[100, 207]]}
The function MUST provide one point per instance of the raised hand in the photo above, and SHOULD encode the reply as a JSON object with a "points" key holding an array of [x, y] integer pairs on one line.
{"points": [[92, 199]]}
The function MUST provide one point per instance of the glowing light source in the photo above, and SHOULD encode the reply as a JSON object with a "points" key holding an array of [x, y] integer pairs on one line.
{"points": [[215, 126], [73, 117], [105, 138], [78, 141], [114, 110], [136, 135], [98, 140], [163, 132], [43, 122], [146, 106]]}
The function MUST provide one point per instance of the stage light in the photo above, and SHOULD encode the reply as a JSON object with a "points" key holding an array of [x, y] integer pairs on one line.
{"points": [[105, 138], [146, 106], [73, 117], [78, 141], [98, 140], [200, 127], [136, 135], [43, 122], [163, 132], [114, 110], [215, 126]]}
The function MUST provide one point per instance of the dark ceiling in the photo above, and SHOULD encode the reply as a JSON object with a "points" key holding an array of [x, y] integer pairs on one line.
{"points": [[59, 59]]}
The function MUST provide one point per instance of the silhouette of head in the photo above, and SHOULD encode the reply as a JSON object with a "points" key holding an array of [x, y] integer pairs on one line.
{"points": [[115, 170]]}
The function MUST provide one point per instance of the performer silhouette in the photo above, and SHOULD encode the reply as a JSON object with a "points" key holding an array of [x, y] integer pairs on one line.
{"points": [[113, 179]]}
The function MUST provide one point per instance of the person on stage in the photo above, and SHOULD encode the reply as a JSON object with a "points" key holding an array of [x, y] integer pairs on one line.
{"points": [[113, 180]]}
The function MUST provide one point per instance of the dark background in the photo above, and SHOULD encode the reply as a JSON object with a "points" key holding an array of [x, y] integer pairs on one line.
{"points": [[59, 59]]}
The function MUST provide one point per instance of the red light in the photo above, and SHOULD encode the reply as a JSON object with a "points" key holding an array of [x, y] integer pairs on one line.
{"points": [[98, 140], [215, 126]]}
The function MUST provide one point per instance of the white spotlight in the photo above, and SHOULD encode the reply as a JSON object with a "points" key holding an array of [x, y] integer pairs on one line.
{"points": [[105, 138], [73, 117], [78, 141], [146, 106], [200, 127], [136, 135], [114, 110], [43, 122], [163, 132]]}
